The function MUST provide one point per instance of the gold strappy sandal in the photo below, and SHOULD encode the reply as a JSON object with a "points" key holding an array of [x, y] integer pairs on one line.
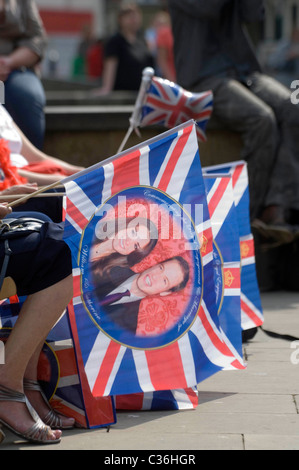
{"points": [[39, 432], [52, 419]]}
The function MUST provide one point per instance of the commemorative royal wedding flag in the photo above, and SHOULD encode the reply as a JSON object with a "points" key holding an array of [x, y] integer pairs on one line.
{"points": [[251, 307], [226, 254], [144, 315]]}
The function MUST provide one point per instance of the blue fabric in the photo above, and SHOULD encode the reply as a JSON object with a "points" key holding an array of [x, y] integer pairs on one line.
{"points": [[25, 100]]}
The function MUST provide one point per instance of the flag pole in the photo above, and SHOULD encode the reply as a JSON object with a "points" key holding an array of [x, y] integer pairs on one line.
{"points": [[36, 193], [147, 76], [12, 197]]}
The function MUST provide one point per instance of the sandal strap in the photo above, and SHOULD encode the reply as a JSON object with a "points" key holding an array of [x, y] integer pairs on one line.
{"points": [[7, 394], [37, 433], [51, 419], [32, 385]]}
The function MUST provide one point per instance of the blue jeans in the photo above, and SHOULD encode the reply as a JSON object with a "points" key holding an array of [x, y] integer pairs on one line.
{"points": [[25, 100]]}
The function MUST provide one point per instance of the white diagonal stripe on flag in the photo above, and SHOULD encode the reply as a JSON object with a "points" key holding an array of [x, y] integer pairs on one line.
{"points": [[80, 199], [144, 166], [114, 371], [241, 185], [109, 173], [187, 358], [96, 358], [166, 159], [182, 169], [142, 370]]}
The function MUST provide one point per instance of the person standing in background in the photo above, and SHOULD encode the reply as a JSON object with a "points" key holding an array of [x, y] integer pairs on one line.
{"points": [[164, 53], [126, 53]]}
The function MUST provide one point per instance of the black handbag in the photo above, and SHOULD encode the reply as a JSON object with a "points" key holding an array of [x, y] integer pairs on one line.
{"points": [[15, 228]]}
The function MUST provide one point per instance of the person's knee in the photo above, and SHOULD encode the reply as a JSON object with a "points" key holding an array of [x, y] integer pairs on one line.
{"points": [[267, 120], [266, 127], [25, 89]]}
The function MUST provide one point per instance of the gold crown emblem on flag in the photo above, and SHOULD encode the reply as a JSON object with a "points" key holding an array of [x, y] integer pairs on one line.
{"points": [[244, 249], [228, 278]]}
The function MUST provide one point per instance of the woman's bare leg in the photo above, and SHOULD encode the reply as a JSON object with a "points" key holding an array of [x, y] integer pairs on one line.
{"points": [[38, 315]]}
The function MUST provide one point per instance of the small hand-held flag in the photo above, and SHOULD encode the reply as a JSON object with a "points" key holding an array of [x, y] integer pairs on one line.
{"points": [[165, 103]]}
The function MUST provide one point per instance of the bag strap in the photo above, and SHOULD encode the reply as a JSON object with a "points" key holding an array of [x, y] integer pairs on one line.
{"points": [[7, 253], [285, 337]]}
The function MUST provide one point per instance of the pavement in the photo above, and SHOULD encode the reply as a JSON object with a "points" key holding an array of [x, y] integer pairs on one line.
{"points": [[254, 409]]}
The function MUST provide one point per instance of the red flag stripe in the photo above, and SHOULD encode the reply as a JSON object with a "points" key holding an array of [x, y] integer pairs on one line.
{"points": [[98, 411], [106, 369], [237, 365], [180, 108], [129, 402], [236, 174], [126, 172], [167, 175], [76, 214], [247, 249], [232, 278], [250, 313], [217, 342], [193, 396], [67, 362], [171, 356], [214, 201]]}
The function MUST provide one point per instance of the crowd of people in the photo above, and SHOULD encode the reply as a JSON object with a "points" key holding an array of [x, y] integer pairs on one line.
{"points": [[201, 46]]}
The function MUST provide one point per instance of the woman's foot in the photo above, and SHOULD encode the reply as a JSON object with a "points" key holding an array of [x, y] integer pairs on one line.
{"points": [[19, 417], [42, 407]]}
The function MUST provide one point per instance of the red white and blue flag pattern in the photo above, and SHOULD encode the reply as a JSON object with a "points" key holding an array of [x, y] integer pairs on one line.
{"points": [[169, 105], [227, 259], [184, 399], [171, 165], [251, 307]]}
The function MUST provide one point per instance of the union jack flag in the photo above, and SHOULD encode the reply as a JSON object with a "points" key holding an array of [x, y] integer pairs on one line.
{"points": [[227, 260], [251, 307], [171, 165], [170, 105]]}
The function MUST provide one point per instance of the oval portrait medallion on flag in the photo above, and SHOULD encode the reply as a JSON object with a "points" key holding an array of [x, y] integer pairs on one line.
{"points": [[141, 268]]}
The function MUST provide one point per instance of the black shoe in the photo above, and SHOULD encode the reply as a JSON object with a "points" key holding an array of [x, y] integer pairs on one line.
{"points": [[247, 335]]}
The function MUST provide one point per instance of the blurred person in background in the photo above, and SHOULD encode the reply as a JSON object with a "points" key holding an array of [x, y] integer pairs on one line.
{"points": [[160, 41], [22, 47], [126, 53]]}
